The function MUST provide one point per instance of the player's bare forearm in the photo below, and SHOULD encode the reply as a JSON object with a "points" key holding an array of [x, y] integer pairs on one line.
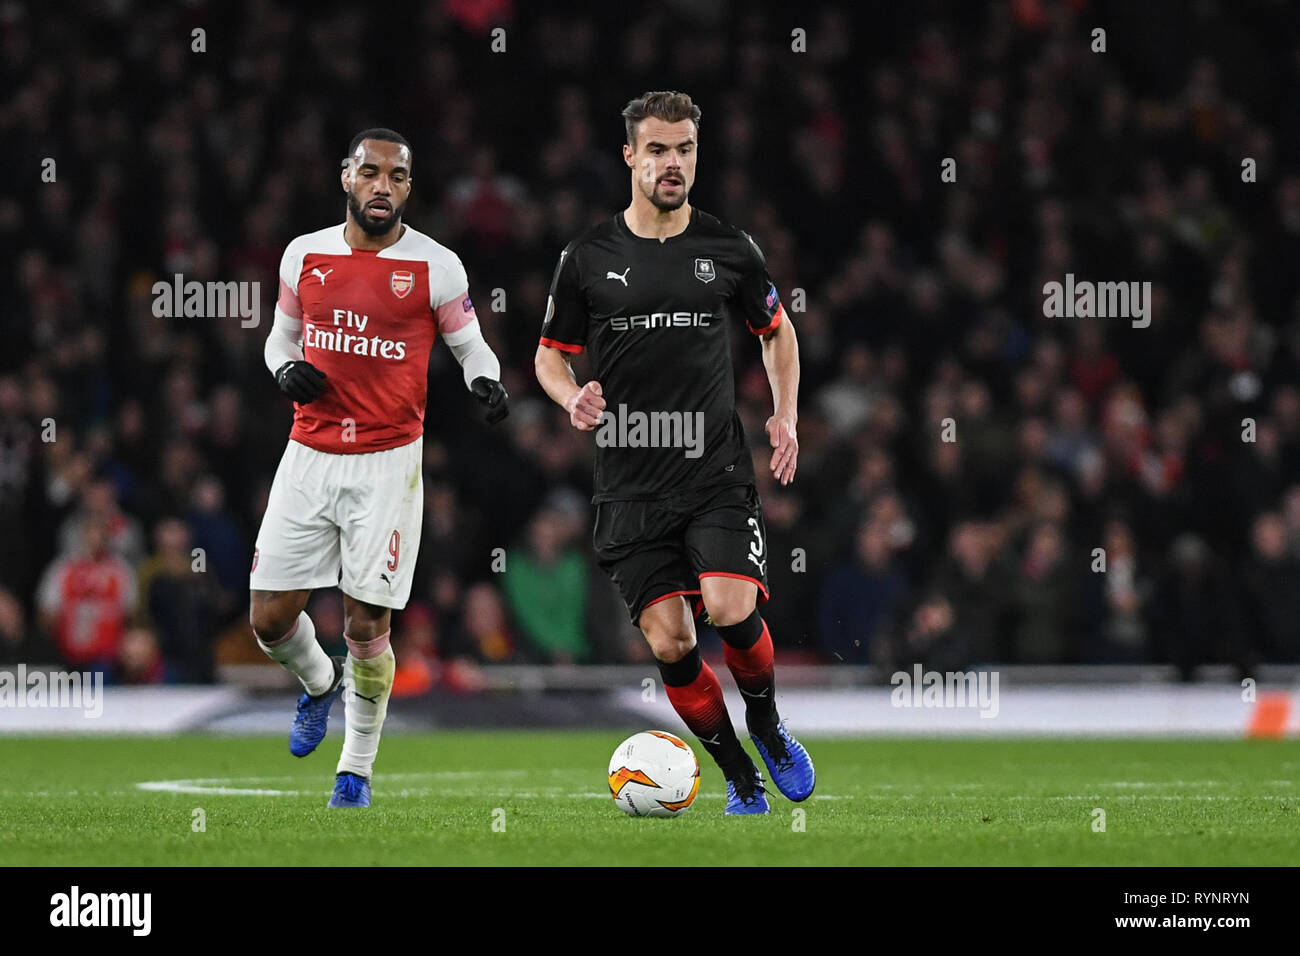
{"points": [[781, 359], [555, 374], [584, 404]]}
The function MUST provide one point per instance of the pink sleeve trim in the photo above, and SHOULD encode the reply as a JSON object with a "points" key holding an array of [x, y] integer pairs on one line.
{"points": [[454, 314], [289, 303]]}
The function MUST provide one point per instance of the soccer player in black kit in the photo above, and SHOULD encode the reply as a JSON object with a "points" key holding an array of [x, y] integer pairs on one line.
{"points": [[651, 293]]}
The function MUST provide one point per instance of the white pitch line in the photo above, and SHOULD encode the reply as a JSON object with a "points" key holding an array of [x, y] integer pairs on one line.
{"points": [[238, 787], [205, 788], [230, 786]]}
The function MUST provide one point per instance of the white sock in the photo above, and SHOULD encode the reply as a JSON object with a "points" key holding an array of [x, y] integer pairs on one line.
{"points": [[367, 682], [299, 653]]}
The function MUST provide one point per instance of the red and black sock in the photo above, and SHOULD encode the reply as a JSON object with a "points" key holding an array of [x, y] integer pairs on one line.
{"points": [[696, 695], [748, 653]]}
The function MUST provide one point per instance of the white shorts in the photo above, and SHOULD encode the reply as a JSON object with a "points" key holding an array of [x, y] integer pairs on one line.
{"points": [[346, 520]]}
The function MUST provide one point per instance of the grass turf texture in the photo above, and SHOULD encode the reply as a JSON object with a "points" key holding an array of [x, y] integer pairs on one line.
{"points": [[76, 801]]}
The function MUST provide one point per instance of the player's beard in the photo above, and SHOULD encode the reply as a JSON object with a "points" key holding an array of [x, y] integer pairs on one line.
{"points": [[374, 227], [664, 203]]}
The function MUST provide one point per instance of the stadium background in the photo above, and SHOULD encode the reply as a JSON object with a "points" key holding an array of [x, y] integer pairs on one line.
{"points": [[922, 301]]}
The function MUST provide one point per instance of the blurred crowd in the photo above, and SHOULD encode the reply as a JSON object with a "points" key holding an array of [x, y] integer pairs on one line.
{"points": [[1111, 493]]}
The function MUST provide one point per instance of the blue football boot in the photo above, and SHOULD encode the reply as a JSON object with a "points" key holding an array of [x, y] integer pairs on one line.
{"points": [[745, 793], [350, 791], [787, 761], [313, 715]]}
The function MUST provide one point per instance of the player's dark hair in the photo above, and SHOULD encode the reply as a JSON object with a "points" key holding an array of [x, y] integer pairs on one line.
{"points": [[377, 132], [667, 105]]}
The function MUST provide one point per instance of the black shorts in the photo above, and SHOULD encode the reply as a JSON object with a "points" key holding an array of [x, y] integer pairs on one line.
{"points": [[654, 550]]}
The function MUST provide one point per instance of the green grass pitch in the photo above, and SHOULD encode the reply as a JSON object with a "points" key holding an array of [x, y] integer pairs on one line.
{"points": [[80, 801]]}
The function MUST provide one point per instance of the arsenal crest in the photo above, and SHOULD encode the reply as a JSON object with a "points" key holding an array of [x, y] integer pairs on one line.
{"points": [[704, 270], [401, 283]]}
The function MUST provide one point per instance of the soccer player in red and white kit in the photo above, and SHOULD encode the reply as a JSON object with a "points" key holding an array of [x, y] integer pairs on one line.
{"points": [[360, 306]]}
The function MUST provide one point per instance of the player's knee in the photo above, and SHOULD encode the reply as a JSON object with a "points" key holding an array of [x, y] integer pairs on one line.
{"points": [[725, 611], [669, 645], [271, 619], [364, 622], [269, 626]]}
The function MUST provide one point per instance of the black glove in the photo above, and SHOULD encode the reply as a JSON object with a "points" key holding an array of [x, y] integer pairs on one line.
{"points": [[301, 381], [493, 396]]}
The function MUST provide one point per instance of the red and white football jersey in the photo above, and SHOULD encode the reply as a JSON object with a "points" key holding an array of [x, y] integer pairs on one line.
{"points": [[369, 320]]}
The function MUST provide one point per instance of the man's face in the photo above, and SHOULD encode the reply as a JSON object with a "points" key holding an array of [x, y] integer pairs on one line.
{"points": [[377, 180], [663, 161], [94, 539]]}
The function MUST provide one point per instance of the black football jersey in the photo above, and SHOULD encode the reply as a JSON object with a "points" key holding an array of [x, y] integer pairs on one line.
{"points": [[655, 318]]}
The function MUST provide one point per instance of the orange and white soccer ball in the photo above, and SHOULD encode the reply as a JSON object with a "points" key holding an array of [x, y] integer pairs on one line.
{"points": [[654, 774]]}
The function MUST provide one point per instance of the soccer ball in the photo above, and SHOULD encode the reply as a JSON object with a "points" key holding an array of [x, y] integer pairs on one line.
{"points": [[654, 774]]}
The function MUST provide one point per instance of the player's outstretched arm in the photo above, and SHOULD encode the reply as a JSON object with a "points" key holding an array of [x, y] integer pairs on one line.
{"points": [[584, 404], [781, 359]]}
